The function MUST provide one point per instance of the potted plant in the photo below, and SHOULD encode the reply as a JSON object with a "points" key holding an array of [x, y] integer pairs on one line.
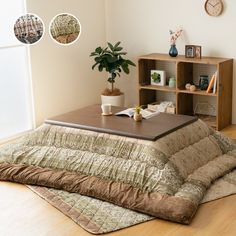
{"points": [[111, 60]]}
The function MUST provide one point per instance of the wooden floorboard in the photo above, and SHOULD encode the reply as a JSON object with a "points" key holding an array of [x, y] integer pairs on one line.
{"points": [[23, 213]]}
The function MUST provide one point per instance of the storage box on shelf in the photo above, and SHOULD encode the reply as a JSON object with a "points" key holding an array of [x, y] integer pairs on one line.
{"points": [[188, 70]]}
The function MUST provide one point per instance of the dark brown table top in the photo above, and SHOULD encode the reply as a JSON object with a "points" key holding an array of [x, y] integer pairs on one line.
{"points": [[90, 118]]}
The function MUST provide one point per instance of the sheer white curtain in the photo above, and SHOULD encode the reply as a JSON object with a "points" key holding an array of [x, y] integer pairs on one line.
{"points": [[16, 109]]}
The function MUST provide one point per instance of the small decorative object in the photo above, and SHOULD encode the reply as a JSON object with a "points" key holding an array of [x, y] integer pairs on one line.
{"points": [[173, 52], [214, 7], [172, 82], [192, 88], [187, 86], [158, 77], [198, 52], [203, 82], [137, 115], [189, 51]]}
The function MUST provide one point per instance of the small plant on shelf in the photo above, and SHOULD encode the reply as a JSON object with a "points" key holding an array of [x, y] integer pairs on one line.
{"points": [[156, 77]]}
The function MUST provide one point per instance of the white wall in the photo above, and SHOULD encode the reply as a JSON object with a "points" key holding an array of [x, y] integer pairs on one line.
{"points": [[143, 27], [62, 75]]}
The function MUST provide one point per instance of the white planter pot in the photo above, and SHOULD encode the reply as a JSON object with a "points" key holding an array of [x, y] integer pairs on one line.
{"points": [[114, 100]]}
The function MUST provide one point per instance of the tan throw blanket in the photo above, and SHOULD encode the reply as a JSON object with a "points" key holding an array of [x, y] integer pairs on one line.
{"points": [[167, 178]]}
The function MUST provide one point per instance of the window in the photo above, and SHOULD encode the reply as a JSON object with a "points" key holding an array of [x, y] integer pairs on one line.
{"points": [[16, 114]]}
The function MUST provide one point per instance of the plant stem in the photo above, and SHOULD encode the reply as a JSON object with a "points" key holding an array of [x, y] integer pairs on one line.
{"points": [[112, 86]]}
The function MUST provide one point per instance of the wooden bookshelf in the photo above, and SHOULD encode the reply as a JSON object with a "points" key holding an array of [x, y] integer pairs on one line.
{"points": [[187, 70]]}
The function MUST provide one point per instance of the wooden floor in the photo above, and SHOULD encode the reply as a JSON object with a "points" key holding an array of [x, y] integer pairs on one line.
{"points": [[23, 213]]}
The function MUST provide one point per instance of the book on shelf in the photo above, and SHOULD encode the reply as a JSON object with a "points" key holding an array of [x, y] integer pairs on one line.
{"points": [[212, 84], [146, 113], [215, 82]]}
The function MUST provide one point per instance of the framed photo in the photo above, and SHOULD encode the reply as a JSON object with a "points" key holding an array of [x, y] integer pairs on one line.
{"points": [[189, 51], [158, 77], [198, 52]]}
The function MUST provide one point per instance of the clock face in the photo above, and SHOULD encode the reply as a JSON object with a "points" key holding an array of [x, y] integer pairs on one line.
{"points": [[214, 7]]}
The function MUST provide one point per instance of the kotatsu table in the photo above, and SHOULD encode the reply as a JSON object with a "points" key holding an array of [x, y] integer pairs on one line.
{"points": [[90, 118]]}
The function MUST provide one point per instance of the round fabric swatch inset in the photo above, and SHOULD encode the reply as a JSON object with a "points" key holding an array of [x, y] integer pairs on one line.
{"points": [[65, 29], [29, 28]]}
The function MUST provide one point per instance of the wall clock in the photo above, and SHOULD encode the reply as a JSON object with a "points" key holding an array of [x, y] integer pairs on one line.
{"points": [[214, 7]]}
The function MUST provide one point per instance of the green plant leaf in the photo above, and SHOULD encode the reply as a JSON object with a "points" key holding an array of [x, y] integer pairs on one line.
{"points": [[111, 80], [98, 50], [125, 68], [100, 68], [105, 49], [130, 63], [111, 59], [97, 59], [110, 46], [118, 49], [93, 54], [117, 44], [113, 75], [94, 65], [120, 53]]}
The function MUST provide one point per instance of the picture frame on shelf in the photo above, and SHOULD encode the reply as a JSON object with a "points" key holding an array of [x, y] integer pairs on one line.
{"points": [[158, 77], [198, 52], [189, 51]]}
